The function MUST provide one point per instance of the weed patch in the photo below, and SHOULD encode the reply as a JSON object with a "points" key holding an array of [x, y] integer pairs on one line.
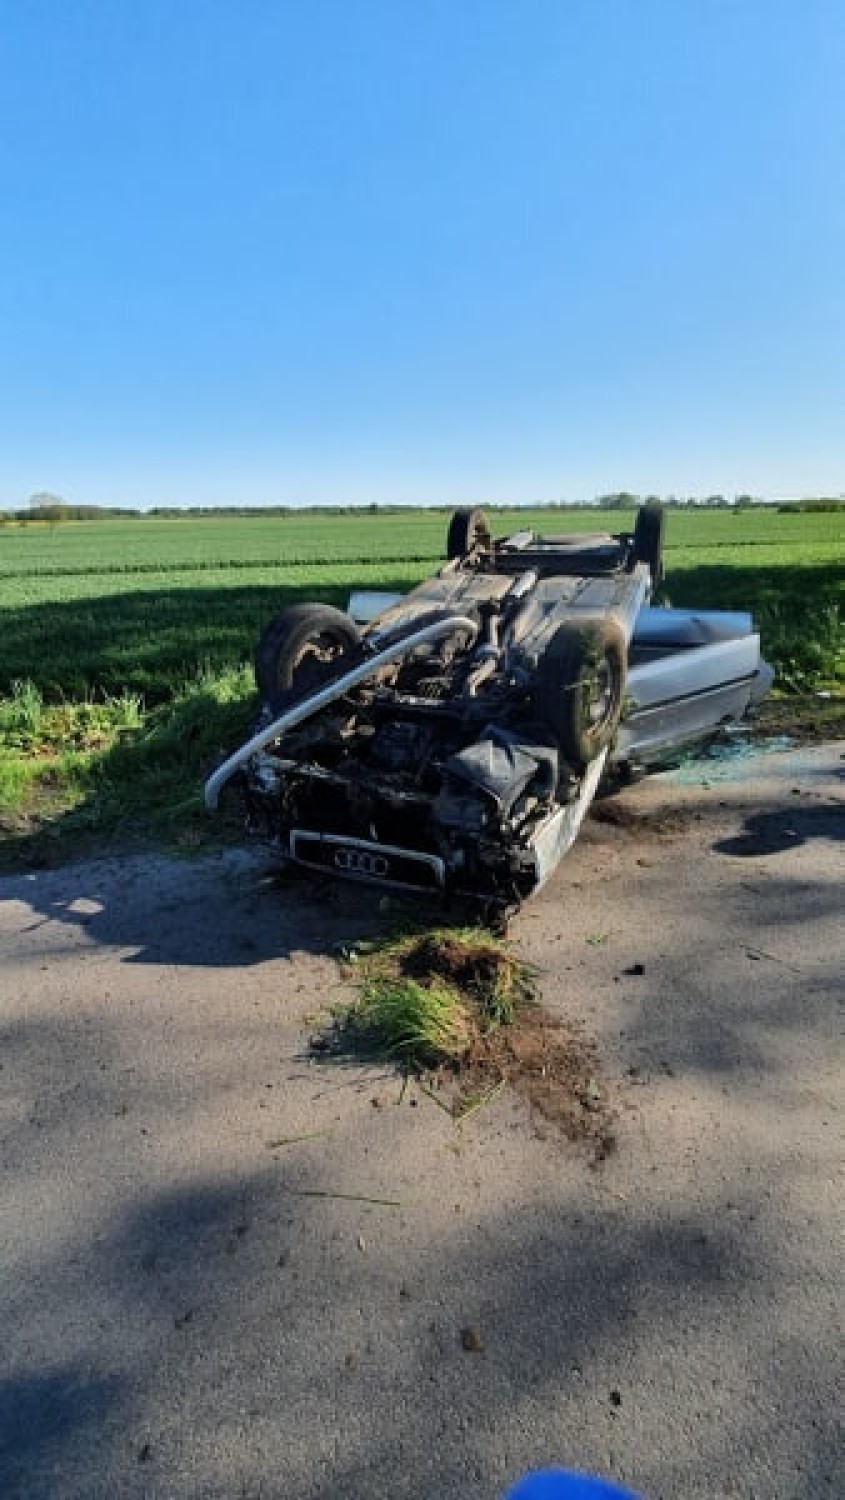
{"points": [[74, 774]]}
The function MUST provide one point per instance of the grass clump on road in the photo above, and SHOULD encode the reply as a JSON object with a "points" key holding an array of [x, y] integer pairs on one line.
{"points": [[420, 1024], [457, 1009], [428, 998]]}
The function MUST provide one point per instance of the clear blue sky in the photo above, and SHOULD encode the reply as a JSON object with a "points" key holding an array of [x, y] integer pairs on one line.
{"points": [[420, 250]]}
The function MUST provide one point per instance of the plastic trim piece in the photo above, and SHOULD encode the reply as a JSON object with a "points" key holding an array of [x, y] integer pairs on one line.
{"points": [[371, 852]]}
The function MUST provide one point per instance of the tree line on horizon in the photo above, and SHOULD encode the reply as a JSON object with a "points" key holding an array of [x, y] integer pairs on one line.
{"points": [[53, 509]]}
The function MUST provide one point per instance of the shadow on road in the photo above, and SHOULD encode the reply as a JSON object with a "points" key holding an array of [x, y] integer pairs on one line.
{"points": [[774, 831], [234, 910], [251, 1353]]}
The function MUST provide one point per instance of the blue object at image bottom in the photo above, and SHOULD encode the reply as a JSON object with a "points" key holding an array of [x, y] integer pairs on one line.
{"points": [[559, 1484]]}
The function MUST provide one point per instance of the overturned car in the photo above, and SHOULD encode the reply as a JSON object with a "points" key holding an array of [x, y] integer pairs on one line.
{"points": [[452, 739]]}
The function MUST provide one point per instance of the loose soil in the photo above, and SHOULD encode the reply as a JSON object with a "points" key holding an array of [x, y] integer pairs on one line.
{"points": [[616, 813], [807, 720], [548, 1064]]}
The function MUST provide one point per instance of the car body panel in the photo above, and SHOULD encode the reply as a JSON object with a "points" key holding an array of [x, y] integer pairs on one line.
{"points": [[689, 673]]}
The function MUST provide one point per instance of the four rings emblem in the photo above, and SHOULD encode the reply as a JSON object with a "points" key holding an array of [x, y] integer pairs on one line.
{"points": [[360, 862]]}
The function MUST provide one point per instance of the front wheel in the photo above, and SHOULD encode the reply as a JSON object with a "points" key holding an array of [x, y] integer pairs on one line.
{"points": [[581, 687], [299, 649]]}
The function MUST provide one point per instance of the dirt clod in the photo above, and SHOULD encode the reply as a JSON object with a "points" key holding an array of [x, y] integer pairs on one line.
{"points": [[505, 1037], [475, 968]]}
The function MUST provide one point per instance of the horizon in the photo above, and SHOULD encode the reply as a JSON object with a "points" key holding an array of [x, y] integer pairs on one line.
{"points": [[52, 508]]}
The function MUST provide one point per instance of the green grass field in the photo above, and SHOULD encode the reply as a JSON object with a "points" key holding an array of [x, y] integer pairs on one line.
{"points": [[125, 645], [93, 608], [105, 549]]}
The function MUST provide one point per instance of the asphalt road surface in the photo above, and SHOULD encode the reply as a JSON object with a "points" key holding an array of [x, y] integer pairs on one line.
{"points": [[191, 1307]]}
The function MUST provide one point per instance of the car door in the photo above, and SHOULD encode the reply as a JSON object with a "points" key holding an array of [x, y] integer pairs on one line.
{"points": [[689, 672]]}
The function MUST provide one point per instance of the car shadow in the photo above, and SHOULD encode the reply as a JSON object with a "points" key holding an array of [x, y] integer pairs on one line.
{"points": [[234, 909]]}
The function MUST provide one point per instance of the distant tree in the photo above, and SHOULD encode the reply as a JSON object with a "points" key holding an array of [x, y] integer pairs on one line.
{"points": [[821, 505], [619, 500], [44, 506]]}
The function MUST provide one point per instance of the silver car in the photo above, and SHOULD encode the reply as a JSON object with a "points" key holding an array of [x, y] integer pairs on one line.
{"points": [[451, 740]]}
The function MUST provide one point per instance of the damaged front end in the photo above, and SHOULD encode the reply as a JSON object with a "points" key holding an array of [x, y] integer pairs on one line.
{"points": [[412, 776]]}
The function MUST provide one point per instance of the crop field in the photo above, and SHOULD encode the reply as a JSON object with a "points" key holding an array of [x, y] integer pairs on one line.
{"points": [[125, 645], [189, 545], [92, 608]]}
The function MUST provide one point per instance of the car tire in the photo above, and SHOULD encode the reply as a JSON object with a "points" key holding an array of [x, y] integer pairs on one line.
{"points": [[581, 687], [468, 529], [649, 529], [298, 649]]}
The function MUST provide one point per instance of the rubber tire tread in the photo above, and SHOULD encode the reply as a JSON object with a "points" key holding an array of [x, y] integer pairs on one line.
{"points": [[564, 668], [283, 639], [649, 529], [467, 530]]}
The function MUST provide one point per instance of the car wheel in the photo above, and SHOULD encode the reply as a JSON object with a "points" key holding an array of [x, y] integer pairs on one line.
{"points": [[298, 648], [581, 687], [468, 529], [648, 539]]}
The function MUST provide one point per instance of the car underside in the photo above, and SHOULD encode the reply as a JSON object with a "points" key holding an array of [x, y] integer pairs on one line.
{"points": [[453, 744]]}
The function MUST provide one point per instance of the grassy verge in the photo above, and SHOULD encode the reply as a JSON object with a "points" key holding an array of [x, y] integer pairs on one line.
{"points": [[76, 775]]}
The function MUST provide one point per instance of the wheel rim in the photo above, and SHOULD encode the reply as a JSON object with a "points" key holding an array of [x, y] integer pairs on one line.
{"points": [[308, 667], [598, 695]]}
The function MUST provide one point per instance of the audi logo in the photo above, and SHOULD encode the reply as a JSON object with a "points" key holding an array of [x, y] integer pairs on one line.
{"points": [[359, 862]]}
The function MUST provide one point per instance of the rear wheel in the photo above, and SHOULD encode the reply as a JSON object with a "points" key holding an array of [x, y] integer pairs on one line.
{"points": [[468, 529], [299, 649], [581, 687], [649, 528]]}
